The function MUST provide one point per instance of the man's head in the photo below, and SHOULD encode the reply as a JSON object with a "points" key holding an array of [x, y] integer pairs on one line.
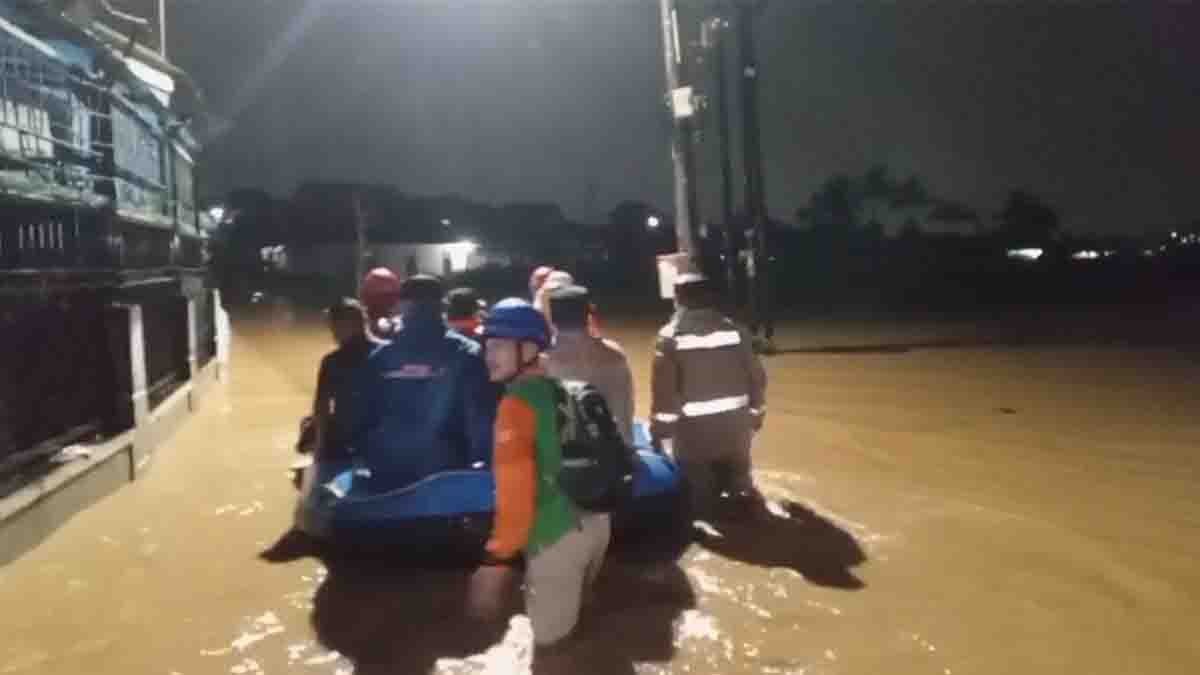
{"points": [[420, 291], [558, 279], [694, 291], [537, 278], [514, 336], [463, 303], [570, 306], [346, 318], [380, 291]]}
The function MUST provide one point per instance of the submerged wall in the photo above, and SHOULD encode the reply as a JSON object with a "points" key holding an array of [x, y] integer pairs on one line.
{"points": [[80, 420]]}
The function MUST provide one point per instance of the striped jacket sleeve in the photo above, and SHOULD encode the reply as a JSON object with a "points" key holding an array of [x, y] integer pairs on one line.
{"points": [[758, 379], [664, 385]]}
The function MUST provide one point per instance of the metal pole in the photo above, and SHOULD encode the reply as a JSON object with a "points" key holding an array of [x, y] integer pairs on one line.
{"points": [[360, 241], [755, 194], [731, 250], [162, 28], [680, 156]]}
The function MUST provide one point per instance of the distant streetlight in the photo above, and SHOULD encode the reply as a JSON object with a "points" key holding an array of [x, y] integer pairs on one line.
{"points": [[1025, 253], [653, 222], [217, 213]]}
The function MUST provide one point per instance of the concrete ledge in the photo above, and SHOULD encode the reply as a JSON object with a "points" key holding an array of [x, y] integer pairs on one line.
{"points": [[33, 512], [160, 426], [206, 376]]}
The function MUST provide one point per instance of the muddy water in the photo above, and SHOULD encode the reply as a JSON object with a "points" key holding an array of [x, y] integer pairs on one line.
{"points": [[944, 510]]}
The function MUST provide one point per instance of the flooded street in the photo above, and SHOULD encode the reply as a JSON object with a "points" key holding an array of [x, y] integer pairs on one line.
{"points": [[953, 510]]}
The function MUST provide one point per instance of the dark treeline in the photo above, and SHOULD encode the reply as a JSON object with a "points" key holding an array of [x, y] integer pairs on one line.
{"points": [[870, 241]]}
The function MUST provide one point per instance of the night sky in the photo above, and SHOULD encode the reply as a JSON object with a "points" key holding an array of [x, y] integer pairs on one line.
{"points": [[1095, 108]]}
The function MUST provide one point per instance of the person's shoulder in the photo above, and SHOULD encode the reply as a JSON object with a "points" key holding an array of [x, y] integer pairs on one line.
{"points": [[461, 343], [330, 358], [611, 345], [536, 391], [670, 330], [614, 350], [343, 356]]}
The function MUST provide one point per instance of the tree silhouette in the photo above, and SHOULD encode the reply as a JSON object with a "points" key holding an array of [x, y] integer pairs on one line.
{"points": [[878, 182], [834, 206], [911, 192], [1026, 219], [844, 204]]}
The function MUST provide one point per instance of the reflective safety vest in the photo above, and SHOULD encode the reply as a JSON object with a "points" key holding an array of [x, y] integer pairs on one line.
{"points": [[704, 365]]}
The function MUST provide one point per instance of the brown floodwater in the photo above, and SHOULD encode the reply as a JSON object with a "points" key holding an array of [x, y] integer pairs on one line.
{"points": [[946, 509]]}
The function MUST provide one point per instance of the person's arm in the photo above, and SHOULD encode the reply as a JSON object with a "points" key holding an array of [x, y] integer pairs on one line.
{"points": [[321, 402], [664, 388], [623, 411], [515, 467], [758, 383], [630, 403], [482, 397]]}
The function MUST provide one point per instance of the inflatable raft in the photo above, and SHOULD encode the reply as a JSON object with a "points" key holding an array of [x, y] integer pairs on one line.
{"points": [[447, 517]]}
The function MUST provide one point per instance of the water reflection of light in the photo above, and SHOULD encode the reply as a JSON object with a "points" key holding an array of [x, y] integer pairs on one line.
{"points": [[246, 667], [696, 625]]}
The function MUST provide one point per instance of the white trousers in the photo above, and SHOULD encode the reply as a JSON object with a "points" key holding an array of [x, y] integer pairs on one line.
{"points": [[556, 577]]}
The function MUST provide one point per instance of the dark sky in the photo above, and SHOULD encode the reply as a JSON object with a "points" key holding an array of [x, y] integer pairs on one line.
{"points": [[1097, 108]]}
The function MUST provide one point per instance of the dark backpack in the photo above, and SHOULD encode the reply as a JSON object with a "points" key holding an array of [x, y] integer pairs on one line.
{"points": [[597, 466]]}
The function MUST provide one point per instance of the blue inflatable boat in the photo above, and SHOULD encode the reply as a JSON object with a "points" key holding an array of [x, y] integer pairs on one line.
{"points": [[447, 517]]}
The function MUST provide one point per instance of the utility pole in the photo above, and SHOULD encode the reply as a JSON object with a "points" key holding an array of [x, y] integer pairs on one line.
{"points": [[162, 28], [752, 147], [681, 142], [360, 240], [714, 37]]}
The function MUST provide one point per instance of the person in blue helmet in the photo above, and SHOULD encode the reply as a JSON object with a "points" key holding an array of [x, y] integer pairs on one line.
{"points": [[423, 403], [564, 545]]}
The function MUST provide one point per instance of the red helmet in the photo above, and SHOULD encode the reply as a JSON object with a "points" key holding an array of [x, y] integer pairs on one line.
{"points": [[380, 292], [538, 278]]}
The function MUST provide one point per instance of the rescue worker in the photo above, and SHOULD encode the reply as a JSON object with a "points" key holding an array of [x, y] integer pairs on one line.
{"points": [[423, 403], [346, 322], [323, 433], [579, 355], [564, 546], [537, 278], [551, 281], [379, 293], [464, 311], [709, 395]]}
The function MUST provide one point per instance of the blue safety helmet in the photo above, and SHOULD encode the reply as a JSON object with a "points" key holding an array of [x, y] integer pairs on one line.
{"points": [[516, 319]]}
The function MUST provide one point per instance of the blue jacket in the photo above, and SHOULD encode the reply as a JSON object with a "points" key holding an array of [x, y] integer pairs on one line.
{"points": [[422, 404]]}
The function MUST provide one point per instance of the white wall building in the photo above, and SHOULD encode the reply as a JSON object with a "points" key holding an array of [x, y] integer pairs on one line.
{"points": [[333, 260]]}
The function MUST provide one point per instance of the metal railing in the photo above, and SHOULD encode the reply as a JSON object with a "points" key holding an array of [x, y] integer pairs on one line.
{"points": [[164, 329], [57, 374], [85, 146], [206, 328]]}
